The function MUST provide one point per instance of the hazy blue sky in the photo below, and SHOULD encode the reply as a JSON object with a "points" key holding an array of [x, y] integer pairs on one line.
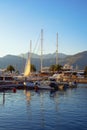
{"points": [[22, 21]]}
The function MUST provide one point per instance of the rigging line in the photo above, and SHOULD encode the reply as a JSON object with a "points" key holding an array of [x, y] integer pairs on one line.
{"points": [[39, 47], [36, 43]]}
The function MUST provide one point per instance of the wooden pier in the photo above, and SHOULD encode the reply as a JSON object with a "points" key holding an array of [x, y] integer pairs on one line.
{"points": [[78, 80]]}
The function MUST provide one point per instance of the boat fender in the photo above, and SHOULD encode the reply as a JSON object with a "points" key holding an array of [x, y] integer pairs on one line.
{"points": [[14, 90], [36, 88]]}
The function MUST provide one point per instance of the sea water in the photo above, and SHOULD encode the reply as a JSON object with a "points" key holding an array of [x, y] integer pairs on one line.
{"points": [[44, 109]]}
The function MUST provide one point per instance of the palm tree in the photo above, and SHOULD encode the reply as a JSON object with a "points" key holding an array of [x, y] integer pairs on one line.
{"points": [[33, 68], [58, 67], [52, 68], [55, 68], [10, 68], [85, 71]]}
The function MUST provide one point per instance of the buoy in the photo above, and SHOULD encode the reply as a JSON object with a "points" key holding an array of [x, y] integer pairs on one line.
{"points": [[36, 88], [14, 90]]}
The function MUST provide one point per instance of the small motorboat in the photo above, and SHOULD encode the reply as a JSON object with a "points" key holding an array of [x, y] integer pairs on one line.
{"points": [[73, 84], [38, 84], [29, 84]]}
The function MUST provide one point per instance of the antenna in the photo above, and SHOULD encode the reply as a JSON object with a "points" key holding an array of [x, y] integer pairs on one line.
{"points": [[41, 49], [57, 49]]}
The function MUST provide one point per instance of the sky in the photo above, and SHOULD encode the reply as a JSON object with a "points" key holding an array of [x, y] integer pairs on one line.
{"points": [[22, 21]]}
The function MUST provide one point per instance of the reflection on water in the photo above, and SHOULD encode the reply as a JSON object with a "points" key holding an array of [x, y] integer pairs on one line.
{"points": [[2, 98], [44, 110], [28, 95]]}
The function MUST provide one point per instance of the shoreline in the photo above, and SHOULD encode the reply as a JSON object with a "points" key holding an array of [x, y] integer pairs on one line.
{"points": [[78, 80]]}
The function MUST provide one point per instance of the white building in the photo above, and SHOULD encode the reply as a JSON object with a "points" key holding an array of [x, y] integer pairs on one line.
{"points": [[67, 67], [45, 69]]}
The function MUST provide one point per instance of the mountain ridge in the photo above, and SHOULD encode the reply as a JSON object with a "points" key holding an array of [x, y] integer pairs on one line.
{"points": [[18, 61], [49, 55]]}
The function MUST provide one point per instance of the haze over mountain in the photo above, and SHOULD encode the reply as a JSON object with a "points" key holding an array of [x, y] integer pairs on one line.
{"points": [[79, 59], [45, 56]]}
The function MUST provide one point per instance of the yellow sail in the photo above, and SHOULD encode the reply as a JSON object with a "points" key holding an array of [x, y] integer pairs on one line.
{"points": [[27, 68]]}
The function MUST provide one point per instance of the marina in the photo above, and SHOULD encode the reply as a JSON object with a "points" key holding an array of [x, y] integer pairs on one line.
{"points": [[47, 85], [43, 65], [9, 82]]}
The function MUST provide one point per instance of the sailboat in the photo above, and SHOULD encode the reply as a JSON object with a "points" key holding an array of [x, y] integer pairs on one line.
{"points": [[27, 74], [27, 71], [28, 77], [37, 80]]}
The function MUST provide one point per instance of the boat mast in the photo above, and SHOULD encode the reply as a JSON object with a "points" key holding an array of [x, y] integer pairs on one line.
{"points": [[30, 54], [30, 49], [41, 49], [57, 49]]}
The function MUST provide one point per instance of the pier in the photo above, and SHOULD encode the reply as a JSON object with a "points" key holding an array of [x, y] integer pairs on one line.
{"points": [[78, 80]]}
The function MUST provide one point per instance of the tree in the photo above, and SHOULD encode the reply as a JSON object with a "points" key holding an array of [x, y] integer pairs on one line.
{"points": [[52, 68], [85, 71], [17, 72], [10, 68], [33, 68], [58, 67], [55, 67]]}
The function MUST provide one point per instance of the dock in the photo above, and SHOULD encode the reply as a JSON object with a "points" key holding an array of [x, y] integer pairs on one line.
{"points": [[8, 85], [78, 80]]}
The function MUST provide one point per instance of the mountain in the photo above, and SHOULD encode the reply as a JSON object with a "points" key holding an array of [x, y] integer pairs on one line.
{"points": [[45, 56], [79, 59], [26, 55], [60, 55], [16, 61]]}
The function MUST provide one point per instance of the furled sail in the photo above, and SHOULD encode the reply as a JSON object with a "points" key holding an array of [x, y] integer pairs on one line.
{"points": [[27, 67]]}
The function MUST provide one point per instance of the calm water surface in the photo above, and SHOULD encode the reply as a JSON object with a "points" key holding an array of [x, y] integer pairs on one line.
{"points": [[43, 110]]}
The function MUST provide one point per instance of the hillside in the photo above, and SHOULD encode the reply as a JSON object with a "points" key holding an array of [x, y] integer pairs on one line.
{"points": [[16, 61], [79, 59]]}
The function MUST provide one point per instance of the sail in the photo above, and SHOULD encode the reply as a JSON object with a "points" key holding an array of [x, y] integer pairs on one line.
{"points": [[27, 67]]}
